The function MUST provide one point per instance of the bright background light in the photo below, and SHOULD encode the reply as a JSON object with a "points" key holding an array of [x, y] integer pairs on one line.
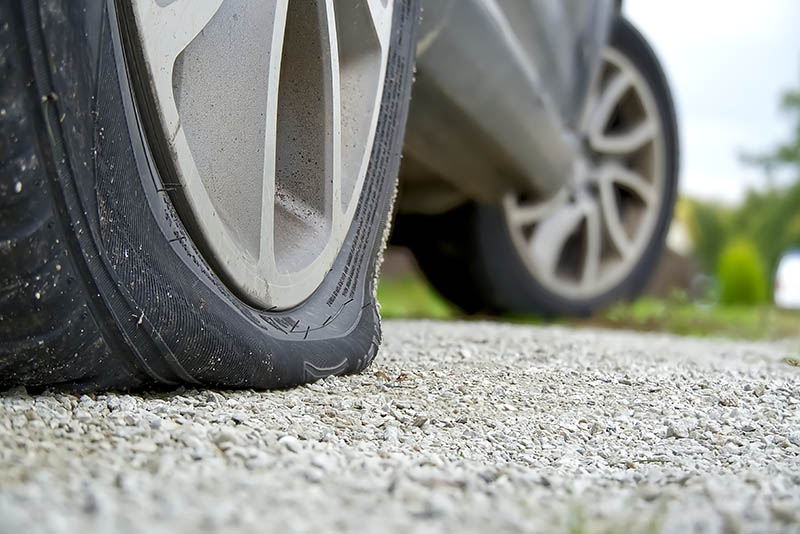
{"points": [[728, 63]]}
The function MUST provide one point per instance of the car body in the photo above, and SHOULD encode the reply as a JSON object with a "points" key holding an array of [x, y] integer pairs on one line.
{"points": [[498, 85], [541, 155], [199, 192]]}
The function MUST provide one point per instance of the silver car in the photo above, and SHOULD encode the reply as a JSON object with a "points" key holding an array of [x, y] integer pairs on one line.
{"points": [[198, 192], [541, 155]]}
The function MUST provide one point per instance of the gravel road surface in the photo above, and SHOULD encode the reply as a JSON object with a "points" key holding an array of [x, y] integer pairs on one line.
{"points": [[458, 427]]}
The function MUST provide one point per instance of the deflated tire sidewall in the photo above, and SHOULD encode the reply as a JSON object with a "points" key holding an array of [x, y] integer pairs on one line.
{"points": [[181, 323]]}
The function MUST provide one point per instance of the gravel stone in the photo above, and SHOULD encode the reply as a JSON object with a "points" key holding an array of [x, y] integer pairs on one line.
{"points": [[457, 427], [291, 444]]}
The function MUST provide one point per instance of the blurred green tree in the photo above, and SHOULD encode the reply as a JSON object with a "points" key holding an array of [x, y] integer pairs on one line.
{"points": [[770, 218], [710, 228]]}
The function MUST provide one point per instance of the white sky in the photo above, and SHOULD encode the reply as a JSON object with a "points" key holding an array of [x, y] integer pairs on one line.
{"points": [[728, 63]]}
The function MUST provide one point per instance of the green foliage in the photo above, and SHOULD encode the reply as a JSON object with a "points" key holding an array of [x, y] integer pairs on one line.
{"points": [[770, 219], [741, 274], [690, 319], [790, 152], [412, 297], [710, 227]]}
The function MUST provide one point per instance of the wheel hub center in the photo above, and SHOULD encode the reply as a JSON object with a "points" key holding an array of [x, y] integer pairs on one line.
{"points": [[583, 175]]}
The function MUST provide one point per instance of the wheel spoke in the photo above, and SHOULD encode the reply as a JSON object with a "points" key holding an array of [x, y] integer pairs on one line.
{"points": [[527, 214], [610, 176], [335, 139], [381, 11], [611, 216], [590, 101], [551, 235], [633, 138], [627, 142], [610, 96], [591, 257], [267, 248], [633, 181], [164, 31], [361, 44], [173, 26]]}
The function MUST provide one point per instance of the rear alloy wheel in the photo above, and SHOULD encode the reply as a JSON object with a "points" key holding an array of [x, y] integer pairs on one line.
{"points": [[217, 177], [587, 238]]}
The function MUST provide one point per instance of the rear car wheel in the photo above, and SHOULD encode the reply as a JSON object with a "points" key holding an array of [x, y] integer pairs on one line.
{"points": [[196, 193], [595, 241]]}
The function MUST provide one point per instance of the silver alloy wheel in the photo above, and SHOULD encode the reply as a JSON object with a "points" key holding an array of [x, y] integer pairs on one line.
{"points": [[588, 237], [269, 110]]}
